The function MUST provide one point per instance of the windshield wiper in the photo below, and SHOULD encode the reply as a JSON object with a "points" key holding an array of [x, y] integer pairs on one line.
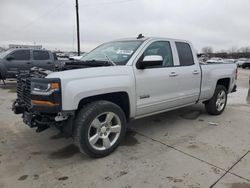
{"points": [[68, 65], [109, 60], [91, 63]]}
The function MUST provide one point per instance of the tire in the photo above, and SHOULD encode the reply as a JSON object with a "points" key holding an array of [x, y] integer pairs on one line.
{"points": [[217, 104], [100, 126], [1, 76]]}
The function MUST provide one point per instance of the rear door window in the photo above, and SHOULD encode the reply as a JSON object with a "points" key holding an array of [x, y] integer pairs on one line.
{"points": [[41, 55], [185, 54]]}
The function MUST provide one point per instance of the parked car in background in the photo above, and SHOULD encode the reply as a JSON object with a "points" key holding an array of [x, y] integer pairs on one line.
{"points": [[13, 61], [229, 60], [240, 61], [117, 82], [246, 64], [215, 60], [76, 57]]}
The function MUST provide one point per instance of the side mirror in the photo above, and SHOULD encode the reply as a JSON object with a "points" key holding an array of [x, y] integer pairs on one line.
{"points": [[10, 58], [150, 61]]}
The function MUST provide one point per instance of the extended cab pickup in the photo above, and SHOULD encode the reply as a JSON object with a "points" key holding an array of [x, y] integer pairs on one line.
{"points": [[119, 81], [14, 60]]}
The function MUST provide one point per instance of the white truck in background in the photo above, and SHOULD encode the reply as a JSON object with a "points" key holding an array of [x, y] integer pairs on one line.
{"points": [[92, 100]]}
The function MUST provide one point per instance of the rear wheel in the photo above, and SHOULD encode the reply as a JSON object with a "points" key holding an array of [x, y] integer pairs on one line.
{"points": [[217, 104], [100, 127]]}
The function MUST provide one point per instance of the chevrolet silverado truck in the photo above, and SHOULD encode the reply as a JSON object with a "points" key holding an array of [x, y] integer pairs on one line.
{"points": [[15, 60], [93, 99]]}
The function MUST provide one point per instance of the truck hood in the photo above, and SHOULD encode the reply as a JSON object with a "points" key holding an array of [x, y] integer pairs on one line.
{"points": [[91, 72]]}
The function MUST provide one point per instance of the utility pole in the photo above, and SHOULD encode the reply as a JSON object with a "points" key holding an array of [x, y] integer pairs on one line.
{"points": [[78, 30]]}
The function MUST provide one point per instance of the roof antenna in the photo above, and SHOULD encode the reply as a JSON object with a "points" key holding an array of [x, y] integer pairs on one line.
{"points": [[140, 36]]}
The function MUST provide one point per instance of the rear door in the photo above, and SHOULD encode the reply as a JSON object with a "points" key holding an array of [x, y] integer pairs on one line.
{"points": [[42, 59], [20, 60], [188, 73]]}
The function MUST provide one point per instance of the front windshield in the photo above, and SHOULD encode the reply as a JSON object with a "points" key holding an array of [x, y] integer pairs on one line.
{"points": [[3, 54], [118, 52]]}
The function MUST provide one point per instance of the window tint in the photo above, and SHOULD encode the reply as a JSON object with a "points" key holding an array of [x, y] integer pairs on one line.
{"points": [[41, 55], [21, 55], [185, 54], [163, 49]]}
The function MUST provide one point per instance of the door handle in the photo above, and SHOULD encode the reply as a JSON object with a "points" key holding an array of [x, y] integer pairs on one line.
{"points": [[173, 74], [196, 72], [49, 62], [28, 63]]}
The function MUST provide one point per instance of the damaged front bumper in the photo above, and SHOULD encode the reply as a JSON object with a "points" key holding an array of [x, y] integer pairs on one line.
{"points": [[34, 119], [42, 121]]}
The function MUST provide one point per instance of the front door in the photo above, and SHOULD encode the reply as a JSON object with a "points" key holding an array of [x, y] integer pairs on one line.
{"points": [[156, 87], [20, 60]]}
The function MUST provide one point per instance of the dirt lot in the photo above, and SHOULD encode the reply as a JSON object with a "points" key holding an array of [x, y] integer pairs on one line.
{"points": [[182, 148]]}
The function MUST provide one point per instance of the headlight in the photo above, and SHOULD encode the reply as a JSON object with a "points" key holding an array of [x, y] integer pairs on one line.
{"points": [[43, 88], [46, 95]]}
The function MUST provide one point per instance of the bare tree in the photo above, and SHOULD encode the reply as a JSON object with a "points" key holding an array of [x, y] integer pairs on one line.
{"points": [[245, 49], [232, 50], [207, 50], [222, 51]]}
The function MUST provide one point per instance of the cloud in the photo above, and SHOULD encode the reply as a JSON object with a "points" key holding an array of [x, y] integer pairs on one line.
{"points": [[220, 24]]}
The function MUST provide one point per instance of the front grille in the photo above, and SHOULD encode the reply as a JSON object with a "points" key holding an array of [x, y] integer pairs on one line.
{"points": [[24, 91]]}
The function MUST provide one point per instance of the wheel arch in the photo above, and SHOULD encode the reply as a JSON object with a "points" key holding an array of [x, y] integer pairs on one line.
{"points": [[119, 98], [224, 82]]}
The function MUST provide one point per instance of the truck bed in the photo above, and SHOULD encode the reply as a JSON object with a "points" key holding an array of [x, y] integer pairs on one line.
{"points": [[211, 73]]}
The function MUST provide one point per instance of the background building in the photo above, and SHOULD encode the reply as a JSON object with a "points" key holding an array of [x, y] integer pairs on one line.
{"points": [[25, 46]]}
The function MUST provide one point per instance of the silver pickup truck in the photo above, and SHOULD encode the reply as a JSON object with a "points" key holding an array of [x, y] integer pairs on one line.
{"points": [[92, 100]]}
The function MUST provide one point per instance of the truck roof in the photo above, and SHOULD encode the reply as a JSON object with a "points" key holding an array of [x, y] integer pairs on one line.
{"points": [[149, 38], [15, 49]]}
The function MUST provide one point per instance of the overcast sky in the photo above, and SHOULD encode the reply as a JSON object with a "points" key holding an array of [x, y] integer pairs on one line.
{"points": [[221, 24]]}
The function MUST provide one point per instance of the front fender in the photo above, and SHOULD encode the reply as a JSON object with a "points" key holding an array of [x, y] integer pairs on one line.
{"points": [[73, 91]]}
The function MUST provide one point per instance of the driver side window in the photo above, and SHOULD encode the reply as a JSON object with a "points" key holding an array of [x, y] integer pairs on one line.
{"points": [[161, 48], [21, 55]]}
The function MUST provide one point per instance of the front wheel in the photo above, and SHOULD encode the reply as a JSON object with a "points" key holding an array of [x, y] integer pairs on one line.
{"points": [[99, 128], [217, 104]]}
